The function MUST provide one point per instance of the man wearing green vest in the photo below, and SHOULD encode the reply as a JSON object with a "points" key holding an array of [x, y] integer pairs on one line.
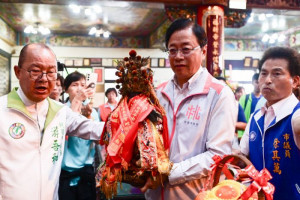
{"points": [[249, 101], [33, 129]]}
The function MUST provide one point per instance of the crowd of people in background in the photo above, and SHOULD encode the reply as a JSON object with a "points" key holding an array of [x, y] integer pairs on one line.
{"points": [[77, 175], [55, 145], [82, 157]]}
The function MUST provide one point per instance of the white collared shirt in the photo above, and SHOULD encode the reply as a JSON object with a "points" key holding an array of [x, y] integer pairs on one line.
{"points": [[180, 93], [272, 111], [38, 110], [277, 110]]}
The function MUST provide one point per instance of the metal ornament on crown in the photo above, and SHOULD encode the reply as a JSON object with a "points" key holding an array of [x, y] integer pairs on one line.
{"points": [[135, 76]]}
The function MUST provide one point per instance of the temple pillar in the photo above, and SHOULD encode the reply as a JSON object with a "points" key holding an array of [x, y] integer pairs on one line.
{"points": [[211, 18]]}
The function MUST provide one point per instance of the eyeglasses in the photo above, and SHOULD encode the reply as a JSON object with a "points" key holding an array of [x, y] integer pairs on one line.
{"points": [[184, 51], [37, 74]]}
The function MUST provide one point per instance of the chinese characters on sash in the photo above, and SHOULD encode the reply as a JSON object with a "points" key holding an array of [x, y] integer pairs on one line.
{"points": [[286, 146]]}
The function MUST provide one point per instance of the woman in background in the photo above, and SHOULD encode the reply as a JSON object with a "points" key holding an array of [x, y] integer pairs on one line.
{"points": [[109, 106], [58, 89], [77, 179]]}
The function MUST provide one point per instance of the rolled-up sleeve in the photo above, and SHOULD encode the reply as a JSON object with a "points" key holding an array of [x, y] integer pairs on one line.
{"points": [[79, 126]]}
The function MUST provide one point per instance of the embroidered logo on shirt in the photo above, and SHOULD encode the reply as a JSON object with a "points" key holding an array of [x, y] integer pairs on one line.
{"points": [[57, 135], [192, 115], [252, 136], [16, 130], [193, 112]]}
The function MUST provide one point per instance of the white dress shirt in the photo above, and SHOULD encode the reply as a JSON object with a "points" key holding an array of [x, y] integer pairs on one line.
{"points": [[38, 110], [278, 110]]}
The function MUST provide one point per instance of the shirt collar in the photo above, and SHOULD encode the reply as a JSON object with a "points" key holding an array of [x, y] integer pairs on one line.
{"points": [[27, 102], [190, 81], [281, 108]]}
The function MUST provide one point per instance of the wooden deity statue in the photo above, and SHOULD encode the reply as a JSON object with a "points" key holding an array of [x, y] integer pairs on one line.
{"points": [[136, 132]]}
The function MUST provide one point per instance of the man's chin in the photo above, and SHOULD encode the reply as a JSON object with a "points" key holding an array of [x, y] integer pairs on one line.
{"points": [[39, 98]]}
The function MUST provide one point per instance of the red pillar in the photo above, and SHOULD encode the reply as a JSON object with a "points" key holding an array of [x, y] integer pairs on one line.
{"points": [[211, 18]]}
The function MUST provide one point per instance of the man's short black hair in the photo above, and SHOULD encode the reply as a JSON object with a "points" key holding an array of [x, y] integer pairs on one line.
{"points": [[289, 54], [111, 90], [181, 24], [255, 77]]}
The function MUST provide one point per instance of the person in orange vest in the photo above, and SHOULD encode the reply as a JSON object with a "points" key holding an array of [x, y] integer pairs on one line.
{"points": [[109, 106]]}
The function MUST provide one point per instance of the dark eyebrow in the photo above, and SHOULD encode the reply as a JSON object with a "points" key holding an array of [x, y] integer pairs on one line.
{"points": [[263, 70], [183, 44], [277, 69]]}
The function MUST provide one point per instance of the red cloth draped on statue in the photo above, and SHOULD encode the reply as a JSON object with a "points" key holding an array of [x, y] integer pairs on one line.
{"points": [[124, 122]]}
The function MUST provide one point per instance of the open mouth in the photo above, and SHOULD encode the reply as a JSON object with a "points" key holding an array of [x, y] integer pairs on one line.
{"points": [[41, 89]]}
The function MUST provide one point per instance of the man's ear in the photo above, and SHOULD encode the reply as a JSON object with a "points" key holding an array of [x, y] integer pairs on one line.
{"points": [[296, 81], [17, 71], [204, 50]]}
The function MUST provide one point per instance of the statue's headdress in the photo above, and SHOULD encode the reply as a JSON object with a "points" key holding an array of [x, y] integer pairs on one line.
{"points": [[136, 132], [134, 75]]}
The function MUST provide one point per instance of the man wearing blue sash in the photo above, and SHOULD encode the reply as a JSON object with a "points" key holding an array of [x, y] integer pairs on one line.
{"points": [[272, 136]]}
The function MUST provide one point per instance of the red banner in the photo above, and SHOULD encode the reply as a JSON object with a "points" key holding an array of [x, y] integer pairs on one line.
{"points": [[124, 125]]}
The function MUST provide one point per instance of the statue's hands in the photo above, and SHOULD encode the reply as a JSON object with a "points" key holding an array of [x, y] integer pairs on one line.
{"points": [[153, 183]]}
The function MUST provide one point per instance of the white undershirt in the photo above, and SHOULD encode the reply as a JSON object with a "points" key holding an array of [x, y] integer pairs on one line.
{"points": [[181, 93], [38, 111]]}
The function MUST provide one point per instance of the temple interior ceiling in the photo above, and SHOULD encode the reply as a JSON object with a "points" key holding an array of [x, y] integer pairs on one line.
{"points": [[126, 18]]}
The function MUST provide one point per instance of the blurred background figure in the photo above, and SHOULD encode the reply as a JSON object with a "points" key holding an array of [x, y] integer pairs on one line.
{"points": [[109, 106], [58, 89], [239, 91], [241, 122], [77, 179], [249, 101]]}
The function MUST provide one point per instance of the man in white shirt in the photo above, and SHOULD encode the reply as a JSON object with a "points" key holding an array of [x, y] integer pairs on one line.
{"points": [[272, 136], [201, 114], [33, 129]]}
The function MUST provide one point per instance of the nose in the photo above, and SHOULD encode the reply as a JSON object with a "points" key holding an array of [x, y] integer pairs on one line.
{"points": [[55, 87], [41, 77], [81, 87], [268, 78], [178, 54]]}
